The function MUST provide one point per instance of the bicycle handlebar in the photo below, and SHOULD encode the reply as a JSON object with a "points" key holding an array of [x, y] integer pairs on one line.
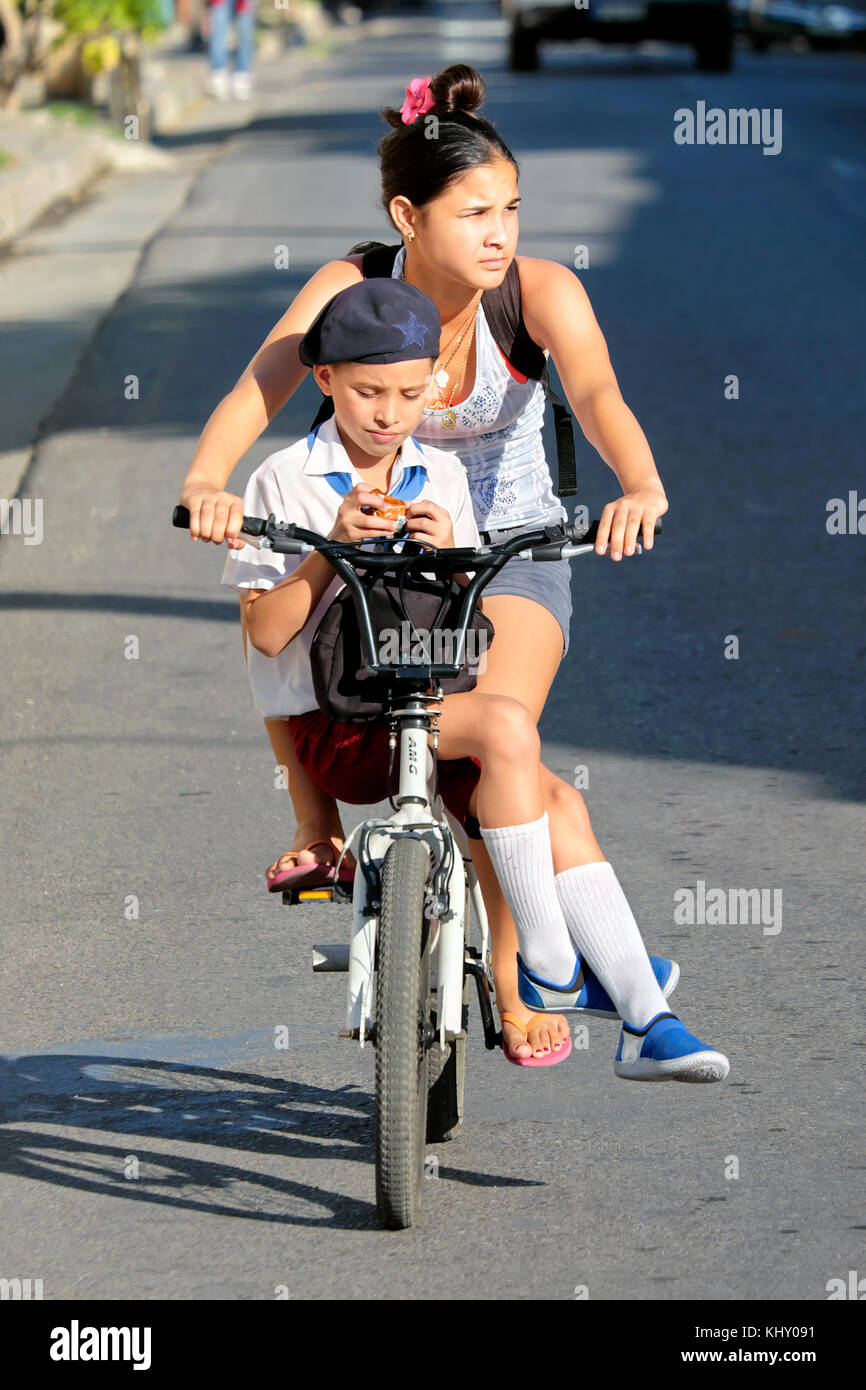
{"points": [[286, 538], [543, 543]]}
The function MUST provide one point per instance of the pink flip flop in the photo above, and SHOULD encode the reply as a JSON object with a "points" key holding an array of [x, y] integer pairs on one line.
{"points": [[550, 1060], [311, 875]]}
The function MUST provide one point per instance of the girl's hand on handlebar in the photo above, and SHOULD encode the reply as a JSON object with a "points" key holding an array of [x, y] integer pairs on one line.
{"points": [[428, 522], [354, 525], [213, 515], [621, 521]]}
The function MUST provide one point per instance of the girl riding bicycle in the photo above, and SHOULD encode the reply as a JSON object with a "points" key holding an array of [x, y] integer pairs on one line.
{"points": [[454, 201], [372, 350]]}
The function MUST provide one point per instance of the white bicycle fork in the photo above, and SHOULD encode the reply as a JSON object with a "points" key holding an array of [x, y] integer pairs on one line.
{"points": [[416, 808]]}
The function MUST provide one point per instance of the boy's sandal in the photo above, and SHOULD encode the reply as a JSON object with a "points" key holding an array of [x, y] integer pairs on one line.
{"points": [[311, 875], [550, 1060]]}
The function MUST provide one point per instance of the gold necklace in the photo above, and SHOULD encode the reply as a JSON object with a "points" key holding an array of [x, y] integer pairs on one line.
{"points": [[448, 419], [440, 373]]}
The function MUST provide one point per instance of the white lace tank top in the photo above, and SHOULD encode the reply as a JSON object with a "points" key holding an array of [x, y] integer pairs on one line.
{"points": [[497, 439]]}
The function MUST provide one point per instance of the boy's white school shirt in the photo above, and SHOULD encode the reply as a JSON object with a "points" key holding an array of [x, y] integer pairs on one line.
{"points": [[306, 484]]}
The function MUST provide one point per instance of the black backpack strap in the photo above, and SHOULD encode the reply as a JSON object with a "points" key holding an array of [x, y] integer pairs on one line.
{"points": [[378, 258], [325, 411], [363, 246], [565, 456], [504, 313]]}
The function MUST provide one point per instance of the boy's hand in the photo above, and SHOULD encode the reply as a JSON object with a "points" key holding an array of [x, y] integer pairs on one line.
{"points": [[354, 525], [428, 522]]}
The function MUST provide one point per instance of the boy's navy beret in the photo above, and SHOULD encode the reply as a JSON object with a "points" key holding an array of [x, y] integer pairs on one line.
{"points": [[377, 320]]}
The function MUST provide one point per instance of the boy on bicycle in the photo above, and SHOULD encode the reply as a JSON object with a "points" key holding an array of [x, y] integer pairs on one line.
{"points": [[372, 348]]}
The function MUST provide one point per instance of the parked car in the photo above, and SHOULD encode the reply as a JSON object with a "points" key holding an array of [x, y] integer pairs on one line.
{"points": [[769, 21], [822, 23], [837, 26], [704, 25]]}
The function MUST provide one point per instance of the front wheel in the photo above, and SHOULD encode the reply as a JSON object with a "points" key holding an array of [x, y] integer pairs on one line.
{"points": [[404, 1031]]}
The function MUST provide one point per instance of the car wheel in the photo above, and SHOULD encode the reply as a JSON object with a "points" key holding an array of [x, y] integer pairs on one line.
{"points": [[523, 48], [714, 50]]}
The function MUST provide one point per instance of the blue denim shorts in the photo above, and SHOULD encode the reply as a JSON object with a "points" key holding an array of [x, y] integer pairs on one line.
{"points": [[547, 582]]}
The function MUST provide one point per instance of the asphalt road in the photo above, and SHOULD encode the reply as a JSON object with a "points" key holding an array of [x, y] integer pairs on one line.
{"points": [[156, 1143]]}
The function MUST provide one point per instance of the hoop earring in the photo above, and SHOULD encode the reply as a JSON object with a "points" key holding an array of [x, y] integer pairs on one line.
{"points": [[410, 236]]}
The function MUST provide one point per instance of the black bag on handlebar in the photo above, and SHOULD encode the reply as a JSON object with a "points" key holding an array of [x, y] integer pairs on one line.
{"points": [[418, 629]]}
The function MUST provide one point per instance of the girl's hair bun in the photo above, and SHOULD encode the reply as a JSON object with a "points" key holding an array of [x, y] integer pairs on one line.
{"points": [[458, 90]]}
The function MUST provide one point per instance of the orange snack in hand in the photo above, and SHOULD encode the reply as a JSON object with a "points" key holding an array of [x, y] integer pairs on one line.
{"points": [[390, 509]]}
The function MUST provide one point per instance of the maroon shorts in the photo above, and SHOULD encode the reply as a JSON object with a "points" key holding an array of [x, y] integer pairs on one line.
{"points": [[350, 763]]}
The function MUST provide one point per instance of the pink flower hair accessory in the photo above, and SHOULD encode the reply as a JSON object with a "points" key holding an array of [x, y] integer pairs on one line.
{"points": [[419, 100]]}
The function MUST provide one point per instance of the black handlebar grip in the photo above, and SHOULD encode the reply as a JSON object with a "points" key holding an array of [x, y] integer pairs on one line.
{"points": [[253, 525], [587, 535], [577, 536]]}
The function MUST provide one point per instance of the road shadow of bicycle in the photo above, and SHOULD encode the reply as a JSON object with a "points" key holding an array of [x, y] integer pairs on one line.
{"points": [[156, 1100]]}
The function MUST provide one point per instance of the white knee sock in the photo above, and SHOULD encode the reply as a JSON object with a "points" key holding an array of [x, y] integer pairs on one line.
{"points": [[604, 930], [523, 860]]}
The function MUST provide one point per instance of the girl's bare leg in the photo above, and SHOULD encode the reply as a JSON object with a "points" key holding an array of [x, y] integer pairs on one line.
{"points": [[522, 662]]}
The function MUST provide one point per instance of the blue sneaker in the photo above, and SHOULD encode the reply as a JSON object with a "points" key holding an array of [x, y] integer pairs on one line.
{"points": [[665, 1050], [585, 994]]}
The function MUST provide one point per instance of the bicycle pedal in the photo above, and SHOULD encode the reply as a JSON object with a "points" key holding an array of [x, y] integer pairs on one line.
{"points": [[293, 896]]}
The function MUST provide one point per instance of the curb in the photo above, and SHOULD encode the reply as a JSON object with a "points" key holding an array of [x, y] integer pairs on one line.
{"points": [[59, 165], [56, 167]]}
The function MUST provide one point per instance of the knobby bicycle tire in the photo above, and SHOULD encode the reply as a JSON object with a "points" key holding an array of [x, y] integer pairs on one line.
{"points": [[403, 1013]]}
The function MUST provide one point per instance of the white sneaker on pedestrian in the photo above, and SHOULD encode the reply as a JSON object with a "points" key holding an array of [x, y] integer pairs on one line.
{"points": [[218, 84], [242, 86]]}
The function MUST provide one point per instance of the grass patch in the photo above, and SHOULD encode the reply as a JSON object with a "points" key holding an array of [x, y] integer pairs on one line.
{"points": [[73, 111], [85, 117]]}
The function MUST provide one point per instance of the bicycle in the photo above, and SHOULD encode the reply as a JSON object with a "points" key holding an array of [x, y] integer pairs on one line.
{"points": [[414, 894]]}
